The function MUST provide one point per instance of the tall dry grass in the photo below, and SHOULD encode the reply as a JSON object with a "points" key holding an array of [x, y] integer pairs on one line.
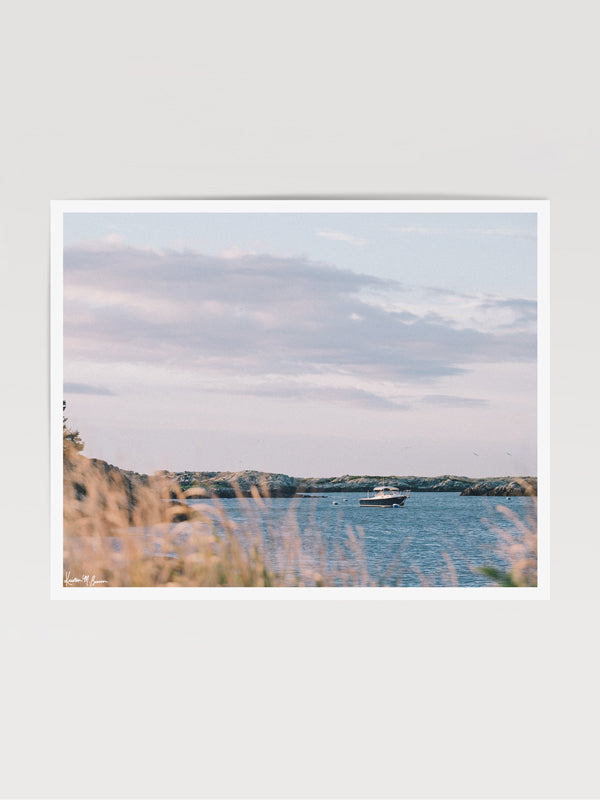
{"points": [[125, 530], [121, 530], [517, 546]]}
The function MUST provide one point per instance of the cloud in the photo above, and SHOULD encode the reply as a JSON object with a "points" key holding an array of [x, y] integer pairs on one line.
{"points": [[236, 252], [86, 388], [115, 239], [451, 400], [511, 312], [331, 395], [342, 237], [461, 311], [259, 315]]}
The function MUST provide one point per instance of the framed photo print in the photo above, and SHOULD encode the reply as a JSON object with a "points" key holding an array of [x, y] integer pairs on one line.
{"points": [[308, 395]]}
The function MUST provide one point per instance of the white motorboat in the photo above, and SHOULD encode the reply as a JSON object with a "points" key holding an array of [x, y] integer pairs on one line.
{"points": [[385, 496]]}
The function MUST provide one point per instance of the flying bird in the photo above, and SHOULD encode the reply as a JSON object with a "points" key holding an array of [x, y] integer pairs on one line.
{"points": [[474, 453], [508, 454]]}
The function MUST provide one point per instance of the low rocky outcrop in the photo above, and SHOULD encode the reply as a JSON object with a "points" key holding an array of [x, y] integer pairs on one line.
{"points": [[99, 497], [503, 487], [364, 483], [234, 484], [231, 484]]}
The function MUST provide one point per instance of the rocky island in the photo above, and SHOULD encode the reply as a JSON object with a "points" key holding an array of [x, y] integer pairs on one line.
{"points": [[228, 484]]}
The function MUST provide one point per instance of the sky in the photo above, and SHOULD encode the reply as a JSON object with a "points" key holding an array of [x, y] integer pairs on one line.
{"points": [[314, 344]]}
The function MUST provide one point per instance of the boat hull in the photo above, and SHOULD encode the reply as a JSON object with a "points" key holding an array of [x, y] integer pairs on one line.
{"points": [[383, 502]]}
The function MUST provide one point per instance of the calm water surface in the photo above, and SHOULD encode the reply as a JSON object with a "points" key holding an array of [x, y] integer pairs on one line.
{"points": [[437, 539]]}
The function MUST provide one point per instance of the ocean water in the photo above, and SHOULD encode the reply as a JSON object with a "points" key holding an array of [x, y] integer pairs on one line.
{"points": [[436, 539]]}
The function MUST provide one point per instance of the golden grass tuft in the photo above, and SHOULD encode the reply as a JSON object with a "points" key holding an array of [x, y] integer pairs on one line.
{"points": [[517, 546], [121, 530]]}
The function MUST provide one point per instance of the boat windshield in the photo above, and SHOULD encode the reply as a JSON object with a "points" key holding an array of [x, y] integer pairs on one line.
{"points": [[386, 489]]}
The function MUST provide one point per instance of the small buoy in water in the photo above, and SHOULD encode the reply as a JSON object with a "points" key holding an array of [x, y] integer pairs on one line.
{"points": [[395, 505], [334, 503], [345, 500]]}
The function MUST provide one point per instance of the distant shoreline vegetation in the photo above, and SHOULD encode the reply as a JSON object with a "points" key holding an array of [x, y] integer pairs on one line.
{"points": [[231, 484]]}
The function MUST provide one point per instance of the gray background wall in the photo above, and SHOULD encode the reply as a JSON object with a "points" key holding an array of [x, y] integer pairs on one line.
{"points": [[305, 698]]}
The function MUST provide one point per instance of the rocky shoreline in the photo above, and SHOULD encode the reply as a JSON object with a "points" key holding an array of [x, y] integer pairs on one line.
{"points": [[94, 490], [98, 496], [230, 484]]}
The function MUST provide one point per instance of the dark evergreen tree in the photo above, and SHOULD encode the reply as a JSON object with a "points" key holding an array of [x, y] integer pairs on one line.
{"points": [[71, 440]]}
